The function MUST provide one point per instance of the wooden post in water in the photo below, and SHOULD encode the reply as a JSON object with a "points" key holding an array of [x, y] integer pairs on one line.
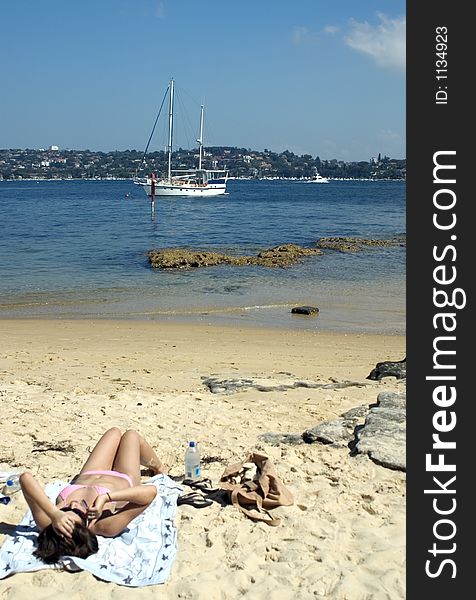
{"points": [[152, 195], [152, 187]]}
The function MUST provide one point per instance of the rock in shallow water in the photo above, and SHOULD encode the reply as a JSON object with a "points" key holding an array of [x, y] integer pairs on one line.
{"points": [[305, 310], [180, 258], [353, 244]]}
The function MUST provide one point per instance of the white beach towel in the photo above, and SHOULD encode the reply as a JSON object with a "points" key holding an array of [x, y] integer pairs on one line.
{"points": [[142, 555]]}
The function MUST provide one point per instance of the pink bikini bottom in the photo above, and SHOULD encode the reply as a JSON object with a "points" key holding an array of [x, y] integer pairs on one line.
{"points": [[114, 473]]}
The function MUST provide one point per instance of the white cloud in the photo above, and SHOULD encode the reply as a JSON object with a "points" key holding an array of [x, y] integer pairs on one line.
{"points": [[384, 42], [331, 29]]}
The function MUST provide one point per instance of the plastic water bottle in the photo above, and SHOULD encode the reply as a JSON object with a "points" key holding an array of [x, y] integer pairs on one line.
{"points": [[12, 485], [192, 462]]}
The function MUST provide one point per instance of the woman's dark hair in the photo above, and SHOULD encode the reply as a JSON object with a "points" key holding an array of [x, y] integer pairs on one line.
{"points": [[52, 546]]}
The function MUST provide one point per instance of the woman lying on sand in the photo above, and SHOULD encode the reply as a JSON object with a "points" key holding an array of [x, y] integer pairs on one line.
{"points": [[103, 499]]}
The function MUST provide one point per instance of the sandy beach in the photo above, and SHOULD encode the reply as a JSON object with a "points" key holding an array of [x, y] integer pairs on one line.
{"points": [[67, 381]]}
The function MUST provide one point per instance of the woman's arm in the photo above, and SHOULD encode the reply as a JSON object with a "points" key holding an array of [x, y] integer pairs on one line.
{"points": [[40, 505], [43, 510], [138, 499], [141, 495]]}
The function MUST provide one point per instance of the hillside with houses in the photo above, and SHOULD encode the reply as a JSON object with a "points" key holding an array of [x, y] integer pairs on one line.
{"points": [[56, 163]]}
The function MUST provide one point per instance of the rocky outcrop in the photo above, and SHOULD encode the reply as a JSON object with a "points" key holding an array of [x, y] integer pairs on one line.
{"points": [[353, 244], [389, 368], [284, 255], [231, 386], [338, 431], [383, 435], [181, 258], [378, 431]]}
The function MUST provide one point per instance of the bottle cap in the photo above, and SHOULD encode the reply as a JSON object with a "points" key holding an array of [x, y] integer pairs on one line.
{"points": [[191, 444]]}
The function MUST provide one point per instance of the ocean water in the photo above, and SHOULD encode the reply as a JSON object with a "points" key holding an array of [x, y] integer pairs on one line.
{"points": [[77, 249]]}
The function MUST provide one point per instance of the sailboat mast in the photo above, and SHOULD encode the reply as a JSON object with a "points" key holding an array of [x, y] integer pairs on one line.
{"points": [[200, 139], [171, 128]]}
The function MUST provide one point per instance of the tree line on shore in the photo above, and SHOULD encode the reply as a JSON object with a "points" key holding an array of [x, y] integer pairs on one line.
{"points": [[240, 162]]}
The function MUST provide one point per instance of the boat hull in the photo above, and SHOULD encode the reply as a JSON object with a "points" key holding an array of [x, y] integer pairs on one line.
{"points": [[183, 190]]}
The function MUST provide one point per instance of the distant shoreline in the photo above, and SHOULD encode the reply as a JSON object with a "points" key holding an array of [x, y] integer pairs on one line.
{"points": [[238, 162], [303, 180]]}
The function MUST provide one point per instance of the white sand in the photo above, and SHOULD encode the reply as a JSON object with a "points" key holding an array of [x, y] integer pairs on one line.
{"points": [[344, 538]]}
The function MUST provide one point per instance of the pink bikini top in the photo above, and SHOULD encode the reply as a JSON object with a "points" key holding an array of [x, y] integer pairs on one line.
{"points": [[72, 487]]}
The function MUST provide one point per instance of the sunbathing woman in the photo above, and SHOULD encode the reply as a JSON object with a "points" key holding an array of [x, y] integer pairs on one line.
{"points": [[102, 499]]}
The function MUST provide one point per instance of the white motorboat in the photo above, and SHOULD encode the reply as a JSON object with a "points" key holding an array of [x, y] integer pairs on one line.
{"points": [[185, 182], [317, 178]]}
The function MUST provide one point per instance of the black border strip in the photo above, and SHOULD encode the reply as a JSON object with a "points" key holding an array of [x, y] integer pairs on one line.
{"points": [[439, 126]]}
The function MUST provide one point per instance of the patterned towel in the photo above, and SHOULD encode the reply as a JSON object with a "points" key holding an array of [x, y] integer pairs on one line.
{"points": [[142, 555]]}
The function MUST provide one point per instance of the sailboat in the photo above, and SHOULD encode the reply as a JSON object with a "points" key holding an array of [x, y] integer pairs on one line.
{"points": [[185, 182]]}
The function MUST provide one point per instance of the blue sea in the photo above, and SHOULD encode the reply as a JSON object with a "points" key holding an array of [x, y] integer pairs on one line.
{"points": [[78, 249]]}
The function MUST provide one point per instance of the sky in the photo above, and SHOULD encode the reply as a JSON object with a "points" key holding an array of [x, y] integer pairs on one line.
{"points": [[310, 76]]}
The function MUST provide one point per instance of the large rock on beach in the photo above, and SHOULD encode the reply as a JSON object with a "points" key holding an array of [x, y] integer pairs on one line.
{"points": [[389, 368], [354, 244], [383, 435], [284, 255], [338, 431], [378, 430], [240, 384]]}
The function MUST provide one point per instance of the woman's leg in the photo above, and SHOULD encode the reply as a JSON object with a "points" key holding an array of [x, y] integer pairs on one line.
{"points": [[103, 453], [148, 457], [133, 452]]}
